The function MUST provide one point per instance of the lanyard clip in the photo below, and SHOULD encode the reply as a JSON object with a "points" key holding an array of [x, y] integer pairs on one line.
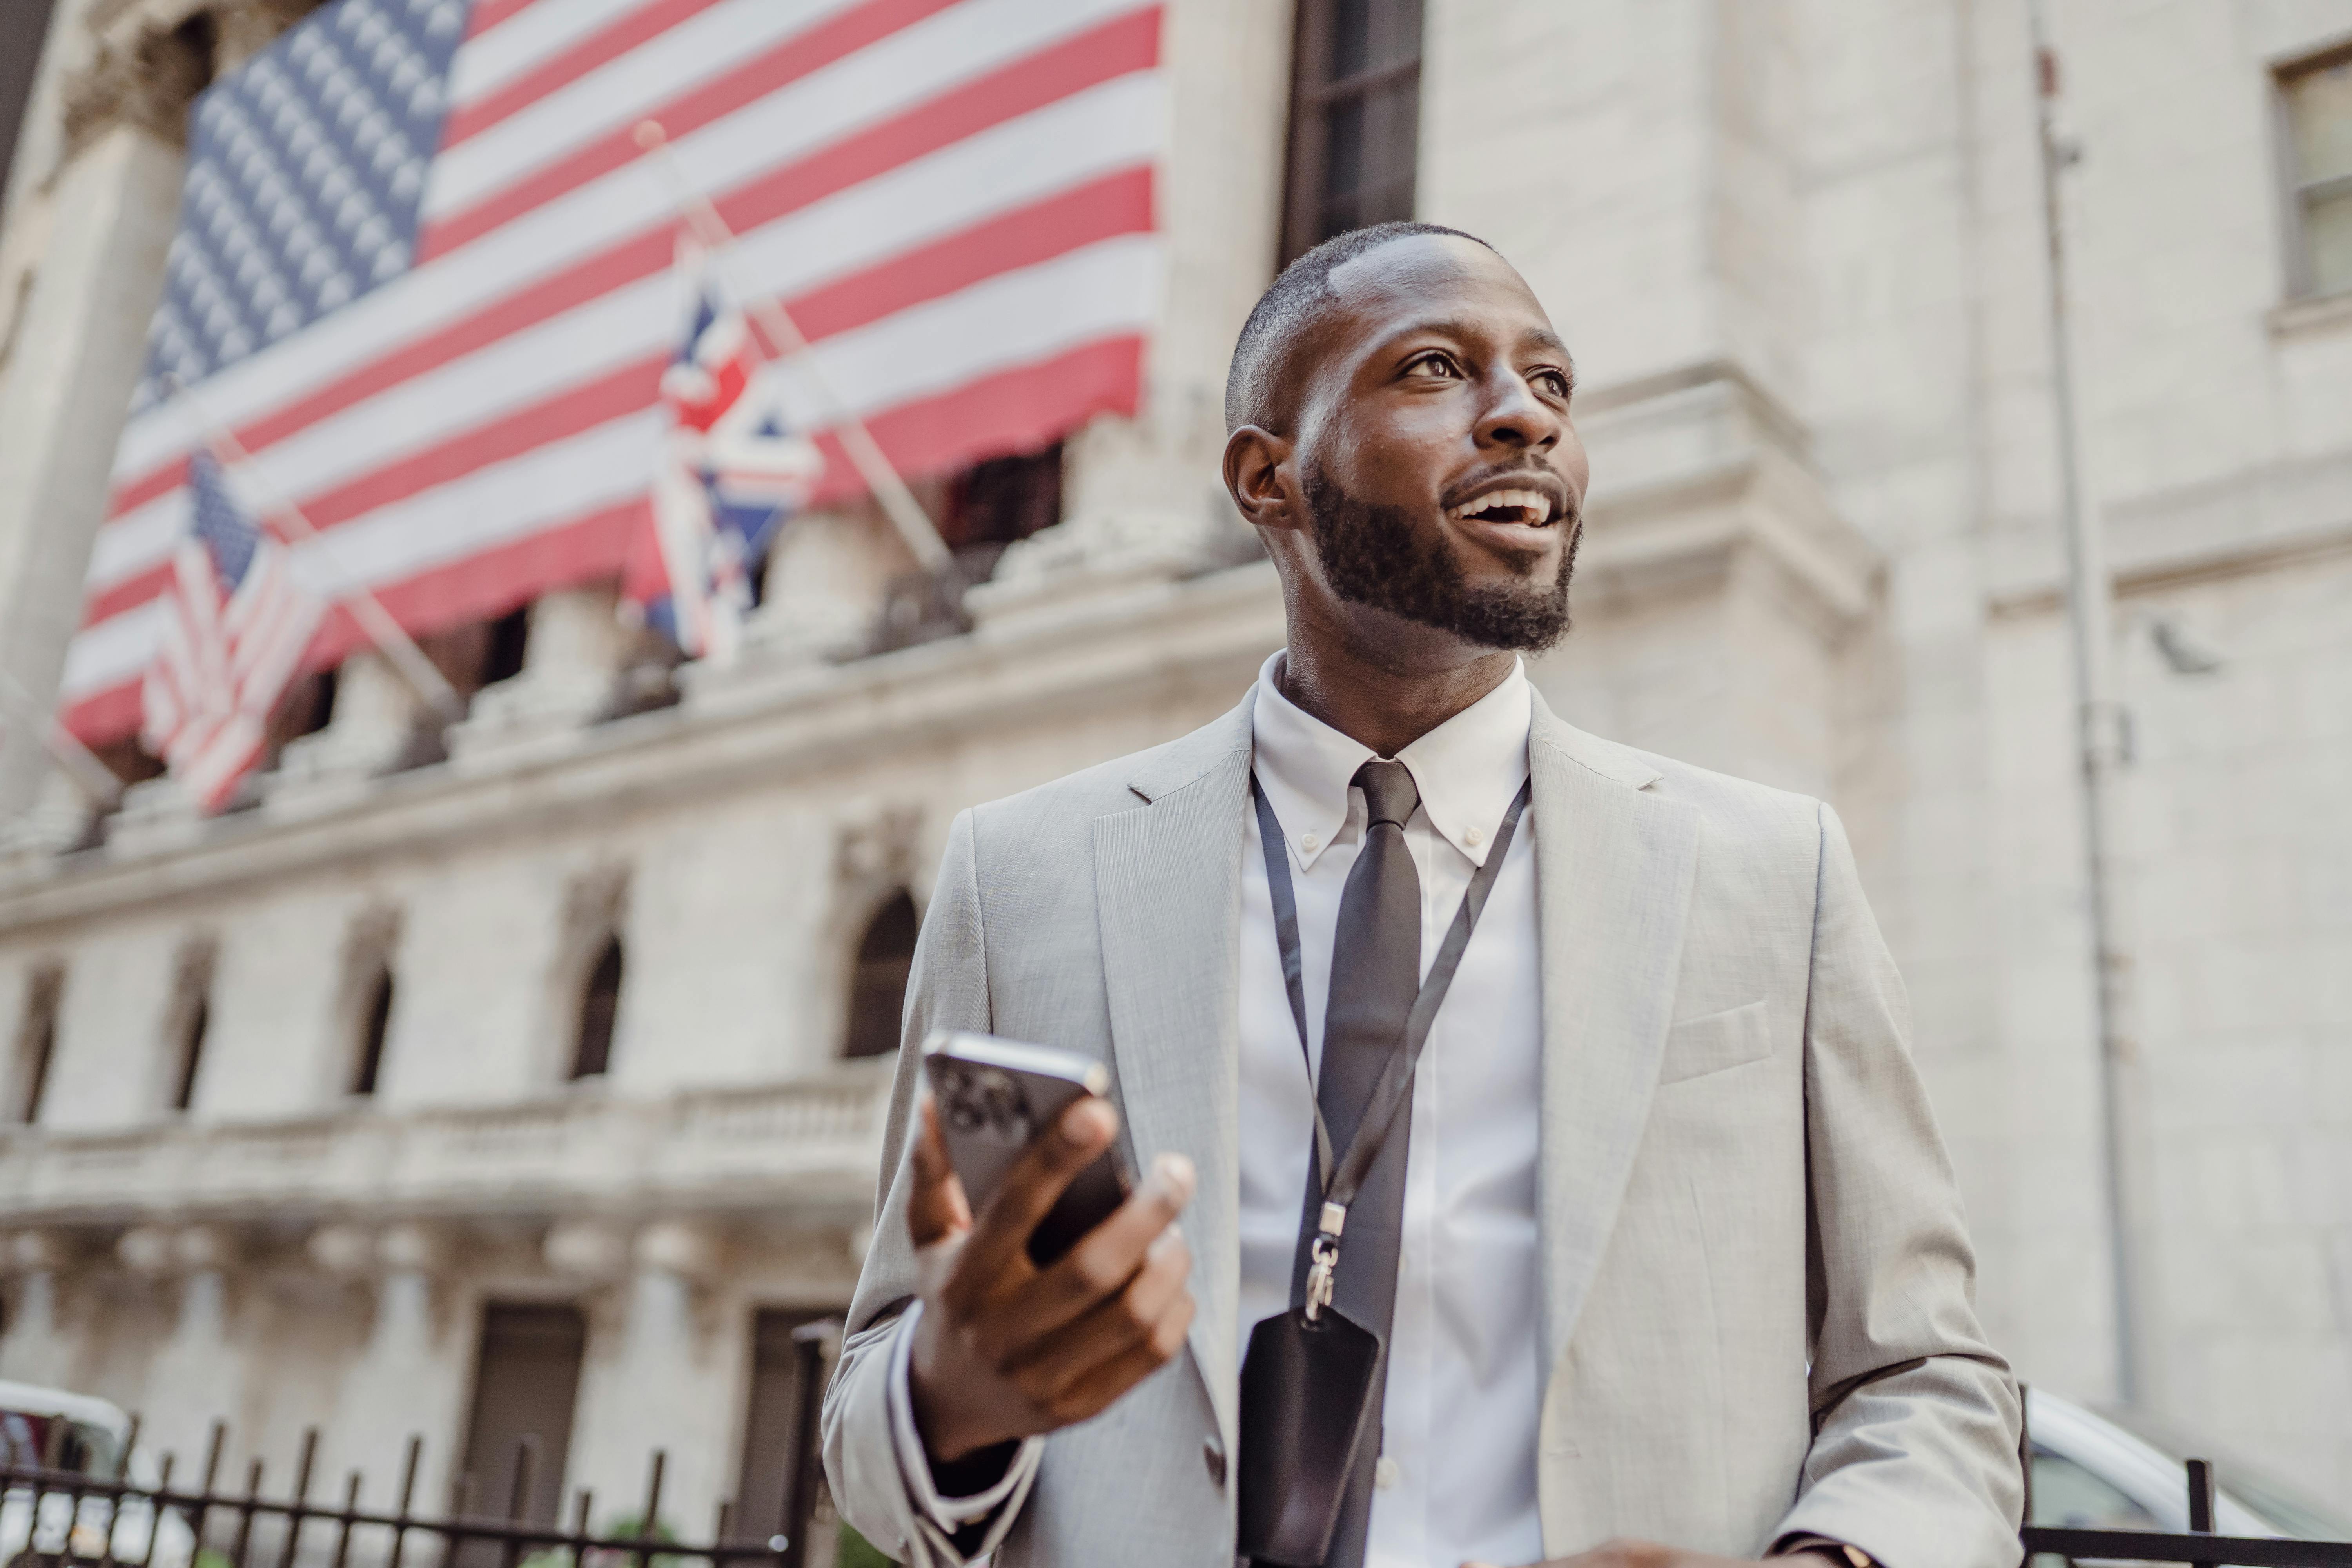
{"points": [[1323, 1256]]}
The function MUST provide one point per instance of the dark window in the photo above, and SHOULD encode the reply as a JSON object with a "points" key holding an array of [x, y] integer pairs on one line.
{"points": [[878, 991], [773, 1448], [1002, 500], [306, 707], [309, 707], [2316, 101], [37, 1042], [526, 1382], [1355, 119], [600, 1002], [23, 25], [199, 1019], [191, 1017], [368, 1062], [503, 653]]}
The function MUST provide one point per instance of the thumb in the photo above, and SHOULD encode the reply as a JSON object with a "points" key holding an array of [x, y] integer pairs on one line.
{"points": [[936, 1207]]}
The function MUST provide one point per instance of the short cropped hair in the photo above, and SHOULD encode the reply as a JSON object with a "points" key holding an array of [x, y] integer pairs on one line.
{"points": [[1263, 384]]}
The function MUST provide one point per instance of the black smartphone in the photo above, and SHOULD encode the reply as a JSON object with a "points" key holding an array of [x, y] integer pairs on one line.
{"points": [[995, 1096]]}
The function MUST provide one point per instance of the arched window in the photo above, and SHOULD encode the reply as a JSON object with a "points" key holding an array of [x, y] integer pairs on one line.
{"points": [[878, 990], [194, 1025], [600, 1003], [37, 1042], [367, 1061], [190, 1020]]}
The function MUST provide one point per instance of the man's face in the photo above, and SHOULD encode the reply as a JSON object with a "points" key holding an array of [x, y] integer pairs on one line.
{"points": [[1442, 479]]}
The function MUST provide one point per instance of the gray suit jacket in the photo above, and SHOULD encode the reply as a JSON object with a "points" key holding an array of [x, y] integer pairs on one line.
{"points": [[1756, 1282]]}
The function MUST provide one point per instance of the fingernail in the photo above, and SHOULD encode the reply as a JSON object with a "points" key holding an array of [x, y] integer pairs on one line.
{"points": [[1175, 1172], [1088, 1122]]}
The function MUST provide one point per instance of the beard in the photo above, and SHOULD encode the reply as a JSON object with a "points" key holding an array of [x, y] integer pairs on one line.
{"points": [[1373, 555]]}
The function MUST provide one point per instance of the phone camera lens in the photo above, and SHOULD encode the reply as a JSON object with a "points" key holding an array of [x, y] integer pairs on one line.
{"points": [[1005, 1106], [960, 1101]]}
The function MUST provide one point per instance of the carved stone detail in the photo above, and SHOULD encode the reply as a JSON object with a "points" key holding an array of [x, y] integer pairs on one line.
{"points": [[153, 58], [877, 849]]}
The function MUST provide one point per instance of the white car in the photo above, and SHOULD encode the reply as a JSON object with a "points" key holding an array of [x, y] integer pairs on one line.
{"points": [[2124, 1471], [90, 1444]]}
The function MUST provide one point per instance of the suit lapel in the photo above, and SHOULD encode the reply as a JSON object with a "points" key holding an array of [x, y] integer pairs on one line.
{"points": [[1614, 869], [1168, 895]]}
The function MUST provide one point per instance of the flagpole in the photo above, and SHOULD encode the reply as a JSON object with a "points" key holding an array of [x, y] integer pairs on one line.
{"points": [[389, 636], [85, 766], [906, 513]]}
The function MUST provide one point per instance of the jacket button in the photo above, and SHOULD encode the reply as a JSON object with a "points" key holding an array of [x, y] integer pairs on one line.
{"points": [[1213, 1453]]}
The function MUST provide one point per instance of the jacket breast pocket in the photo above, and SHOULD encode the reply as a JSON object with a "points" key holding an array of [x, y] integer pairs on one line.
{"points": [[1715, 1042]]}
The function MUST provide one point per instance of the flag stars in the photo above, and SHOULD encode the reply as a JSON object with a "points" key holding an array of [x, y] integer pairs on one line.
{"points": [[306, 169]]}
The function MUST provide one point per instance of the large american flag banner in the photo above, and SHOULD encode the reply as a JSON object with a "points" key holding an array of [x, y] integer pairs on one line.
{"points": [[236, 626], [424, 274]]}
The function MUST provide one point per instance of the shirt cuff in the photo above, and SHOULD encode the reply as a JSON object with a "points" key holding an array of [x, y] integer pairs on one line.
{"points": [[1789, 1546], [949, 1514]]}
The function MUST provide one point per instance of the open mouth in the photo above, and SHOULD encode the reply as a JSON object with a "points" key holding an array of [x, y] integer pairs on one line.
{"points": [[1525, 507]]}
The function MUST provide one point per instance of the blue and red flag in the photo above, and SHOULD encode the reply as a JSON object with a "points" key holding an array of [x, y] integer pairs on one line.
{"points": [[731, 472]]}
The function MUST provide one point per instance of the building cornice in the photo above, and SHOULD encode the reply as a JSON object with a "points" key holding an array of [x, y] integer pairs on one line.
{"points": [[753, 730]]}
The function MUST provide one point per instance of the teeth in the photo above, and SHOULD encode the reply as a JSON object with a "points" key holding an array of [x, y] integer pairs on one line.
{"points": [[1533, 506]]}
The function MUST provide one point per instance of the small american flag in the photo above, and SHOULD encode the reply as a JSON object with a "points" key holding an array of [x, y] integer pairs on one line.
{"points": [[238, 623], [733, 472], [425, 278]]}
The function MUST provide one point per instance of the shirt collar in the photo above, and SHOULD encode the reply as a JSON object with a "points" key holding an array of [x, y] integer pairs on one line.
{"points": [[1468, 769]]}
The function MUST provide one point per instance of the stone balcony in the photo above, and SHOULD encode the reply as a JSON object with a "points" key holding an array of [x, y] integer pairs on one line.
{"points": [[810, 1147]]}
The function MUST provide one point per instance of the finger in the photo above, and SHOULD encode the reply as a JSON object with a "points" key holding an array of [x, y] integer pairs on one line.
{"points": [[1093, 1393], [1106, 1256], [1035, 1184], [1061, 1357], [936, 1207]]}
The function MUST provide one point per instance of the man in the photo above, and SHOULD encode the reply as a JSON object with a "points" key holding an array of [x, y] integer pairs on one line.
{"points": [[1666, 1250]]}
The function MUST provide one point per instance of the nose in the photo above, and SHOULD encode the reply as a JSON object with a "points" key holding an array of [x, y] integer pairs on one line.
{"points": [[1514, 416]]}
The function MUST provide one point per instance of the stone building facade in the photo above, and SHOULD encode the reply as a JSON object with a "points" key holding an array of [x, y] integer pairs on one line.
{"points": [[460, 1056]]}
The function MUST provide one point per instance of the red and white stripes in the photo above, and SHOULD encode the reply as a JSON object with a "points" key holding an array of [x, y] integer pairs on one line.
{"points": [[952, 197]]}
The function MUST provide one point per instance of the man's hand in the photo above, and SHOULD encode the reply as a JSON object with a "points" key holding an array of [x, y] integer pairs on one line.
{"points": [[1004, 1348], [1649, 1555]]}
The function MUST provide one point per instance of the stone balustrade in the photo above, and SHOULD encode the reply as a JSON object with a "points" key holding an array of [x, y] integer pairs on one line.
{"points": [[812, 1145]]}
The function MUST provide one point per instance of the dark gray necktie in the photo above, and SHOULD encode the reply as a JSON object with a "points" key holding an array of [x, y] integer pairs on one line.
{"points": [[1375, 975]]}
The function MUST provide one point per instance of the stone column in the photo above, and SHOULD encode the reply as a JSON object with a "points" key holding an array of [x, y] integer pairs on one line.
{"points": [[572, 666], [410, 1379], [198, 1377], [379, 724], [825, 586], [660, 1382], [37, 1347], [78, 355]]}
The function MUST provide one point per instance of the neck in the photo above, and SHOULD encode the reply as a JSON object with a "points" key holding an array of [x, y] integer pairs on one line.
{"points": [[1383, 705]]}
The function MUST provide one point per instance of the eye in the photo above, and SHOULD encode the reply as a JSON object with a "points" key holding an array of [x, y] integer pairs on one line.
{"points": [[1552, 380], [1435, 364]]}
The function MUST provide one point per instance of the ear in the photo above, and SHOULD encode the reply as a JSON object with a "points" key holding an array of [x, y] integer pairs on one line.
{"points": [[1258, 477]]}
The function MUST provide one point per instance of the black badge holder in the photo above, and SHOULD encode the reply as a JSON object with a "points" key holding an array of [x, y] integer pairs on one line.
{"points": [[1306, 1384]]}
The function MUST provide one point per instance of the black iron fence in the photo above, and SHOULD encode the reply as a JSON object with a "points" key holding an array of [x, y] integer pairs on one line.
{"points": [[56, 1510]]}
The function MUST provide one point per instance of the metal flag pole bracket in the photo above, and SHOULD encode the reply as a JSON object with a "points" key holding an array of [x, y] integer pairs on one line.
{"points": [[897, 503], [389, 636]]}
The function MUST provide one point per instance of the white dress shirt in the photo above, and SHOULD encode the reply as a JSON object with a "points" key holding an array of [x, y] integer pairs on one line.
{"points": [[1457, 1477], [1457, 1474]]}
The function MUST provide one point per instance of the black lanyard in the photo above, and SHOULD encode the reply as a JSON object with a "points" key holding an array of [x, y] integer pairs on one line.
{"points": [[1340, 1181]]}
